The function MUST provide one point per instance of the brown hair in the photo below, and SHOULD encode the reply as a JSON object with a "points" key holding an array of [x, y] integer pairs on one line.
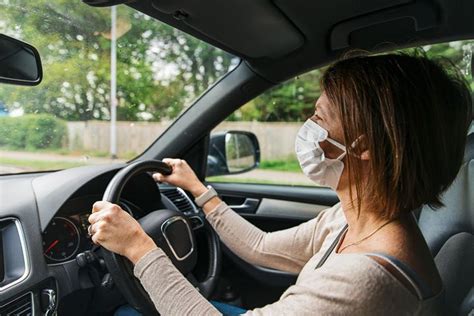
{"points": [[413, 115]]}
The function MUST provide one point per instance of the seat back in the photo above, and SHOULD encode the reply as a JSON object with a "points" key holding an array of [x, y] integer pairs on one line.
{"points": [[449, 232]]}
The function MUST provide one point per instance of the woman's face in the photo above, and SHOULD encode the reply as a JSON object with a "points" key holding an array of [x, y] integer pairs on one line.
{"points": [[326, 116]]}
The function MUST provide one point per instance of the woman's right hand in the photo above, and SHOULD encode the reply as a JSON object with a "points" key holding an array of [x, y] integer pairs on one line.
{"points": [[181, 176]]}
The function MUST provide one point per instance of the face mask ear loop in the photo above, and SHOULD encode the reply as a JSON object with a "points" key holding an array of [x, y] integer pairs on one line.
{"points": [[341, 156], [337, 144]]}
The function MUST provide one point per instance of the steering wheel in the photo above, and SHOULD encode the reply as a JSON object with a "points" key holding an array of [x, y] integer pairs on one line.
{"points": [[172, 231]]}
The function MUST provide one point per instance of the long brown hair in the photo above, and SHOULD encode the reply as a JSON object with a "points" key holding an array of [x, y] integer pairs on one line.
{"points": [[413, 115]]}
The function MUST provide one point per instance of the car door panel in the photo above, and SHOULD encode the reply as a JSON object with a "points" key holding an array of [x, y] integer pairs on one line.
{"points": [[291, 209]]}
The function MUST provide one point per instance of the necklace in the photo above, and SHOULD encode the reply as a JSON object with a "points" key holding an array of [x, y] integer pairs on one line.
{"points": [[368, 236]]}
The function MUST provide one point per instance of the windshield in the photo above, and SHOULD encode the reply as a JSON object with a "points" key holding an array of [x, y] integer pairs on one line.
{"points": [[86, 110]]}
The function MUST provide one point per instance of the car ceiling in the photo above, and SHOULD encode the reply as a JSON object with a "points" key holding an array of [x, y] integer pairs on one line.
{"points": [[282, 38]]}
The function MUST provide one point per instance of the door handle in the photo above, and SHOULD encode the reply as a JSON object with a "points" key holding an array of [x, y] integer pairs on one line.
{"points": [[249, 206]]}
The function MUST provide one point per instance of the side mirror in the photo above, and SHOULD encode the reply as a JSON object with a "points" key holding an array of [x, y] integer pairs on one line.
{"points": [[20, 63], [232, 152]]}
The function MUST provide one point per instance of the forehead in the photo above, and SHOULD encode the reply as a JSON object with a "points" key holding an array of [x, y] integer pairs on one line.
{"points": [[322, 100]]}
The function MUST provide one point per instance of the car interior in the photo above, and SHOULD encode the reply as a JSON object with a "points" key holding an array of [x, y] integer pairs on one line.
{"points": [[275, 41]]}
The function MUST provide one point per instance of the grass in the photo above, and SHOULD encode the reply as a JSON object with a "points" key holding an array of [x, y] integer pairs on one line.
{"points": [[290, 165], [67, 152], [38, 164]]}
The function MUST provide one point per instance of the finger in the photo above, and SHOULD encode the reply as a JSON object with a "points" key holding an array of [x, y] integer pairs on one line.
{"points": [[114, 209], [97, 206], [93, 218], [95, 239], [168, 161], [172, 161], [99, 215], [91, 230], [158, 177]]}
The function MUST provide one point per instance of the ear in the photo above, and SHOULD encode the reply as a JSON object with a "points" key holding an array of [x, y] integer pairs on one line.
{"points": [[365, 155]]}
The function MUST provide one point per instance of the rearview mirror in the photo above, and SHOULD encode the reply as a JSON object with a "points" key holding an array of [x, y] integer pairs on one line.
{"points": [[232, 152], [20, 63]]}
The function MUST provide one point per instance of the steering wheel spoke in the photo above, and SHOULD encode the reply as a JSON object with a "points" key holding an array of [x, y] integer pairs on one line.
{"points": [[197, 222]]}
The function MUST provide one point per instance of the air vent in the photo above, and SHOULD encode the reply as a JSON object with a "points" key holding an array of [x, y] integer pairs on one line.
{"points": [[14, 265], [19, 307], [180, 199]]}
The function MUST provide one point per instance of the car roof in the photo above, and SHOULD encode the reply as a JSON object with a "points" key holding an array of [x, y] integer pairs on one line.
{"points": [[282, 38]]}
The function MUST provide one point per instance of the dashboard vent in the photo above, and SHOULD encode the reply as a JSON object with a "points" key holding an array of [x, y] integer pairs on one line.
{"points": [[22, 306], [180, 199], [14, 265]]}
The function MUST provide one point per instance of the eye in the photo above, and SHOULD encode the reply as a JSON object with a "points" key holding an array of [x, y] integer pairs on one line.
{"points": [[317, 117]]}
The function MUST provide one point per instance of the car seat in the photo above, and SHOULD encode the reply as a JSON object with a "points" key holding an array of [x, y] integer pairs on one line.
{"points": [[449, 232]]}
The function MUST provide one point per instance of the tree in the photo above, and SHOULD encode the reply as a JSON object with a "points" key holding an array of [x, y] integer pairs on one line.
{"points": [[160, 69]]}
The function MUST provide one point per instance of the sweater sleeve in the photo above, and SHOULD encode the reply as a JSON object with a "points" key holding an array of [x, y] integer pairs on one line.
{"points": [[169, 290], [286, 250]]}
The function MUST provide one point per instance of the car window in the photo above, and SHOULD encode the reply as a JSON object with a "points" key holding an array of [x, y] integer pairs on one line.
{"points": [[276, 116], [66, 120]]}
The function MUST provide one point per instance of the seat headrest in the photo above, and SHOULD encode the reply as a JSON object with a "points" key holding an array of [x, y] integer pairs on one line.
{"points": [[457, 215]]}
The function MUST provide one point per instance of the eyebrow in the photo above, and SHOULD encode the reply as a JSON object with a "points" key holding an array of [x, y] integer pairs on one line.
{"points": [[320, 109]]}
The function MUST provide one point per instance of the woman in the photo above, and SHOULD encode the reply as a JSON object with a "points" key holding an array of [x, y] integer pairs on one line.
{"points": [[388, 134]]}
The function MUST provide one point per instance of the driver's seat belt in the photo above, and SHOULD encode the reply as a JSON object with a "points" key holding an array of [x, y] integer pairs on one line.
{"points": [[331, 248]]}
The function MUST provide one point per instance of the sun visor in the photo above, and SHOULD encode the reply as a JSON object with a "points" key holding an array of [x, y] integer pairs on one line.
{"points": [[399, 23], [252, 28]]}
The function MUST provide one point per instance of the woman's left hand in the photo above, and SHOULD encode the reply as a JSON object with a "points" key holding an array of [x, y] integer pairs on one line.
{"points": [[117, 231]]}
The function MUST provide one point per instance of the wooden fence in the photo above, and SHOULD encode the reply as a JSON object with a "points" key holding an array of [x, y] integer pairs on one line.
{"points": [[276, 138]]}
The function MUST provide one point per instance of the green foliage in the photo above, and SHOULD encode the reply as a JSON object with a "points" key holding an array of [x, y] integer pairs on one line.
{"points": [[32, 131], [291, 101], [457, 54], [159, 69], [290, 164]]}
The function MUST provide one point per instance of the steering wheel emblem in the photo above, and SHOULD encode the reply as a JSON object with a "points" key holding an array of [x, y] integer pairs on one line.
{"points": [[178, 236]]}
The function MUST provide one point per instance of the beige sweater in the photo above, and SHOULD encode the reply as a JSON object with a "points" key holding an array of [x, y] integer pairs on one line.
{"points": [[346, 284]]}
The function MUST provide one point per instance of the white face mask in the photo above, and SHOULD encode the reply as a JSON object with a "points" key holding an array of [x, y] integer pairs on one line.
{"points": [[315, 165]]}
